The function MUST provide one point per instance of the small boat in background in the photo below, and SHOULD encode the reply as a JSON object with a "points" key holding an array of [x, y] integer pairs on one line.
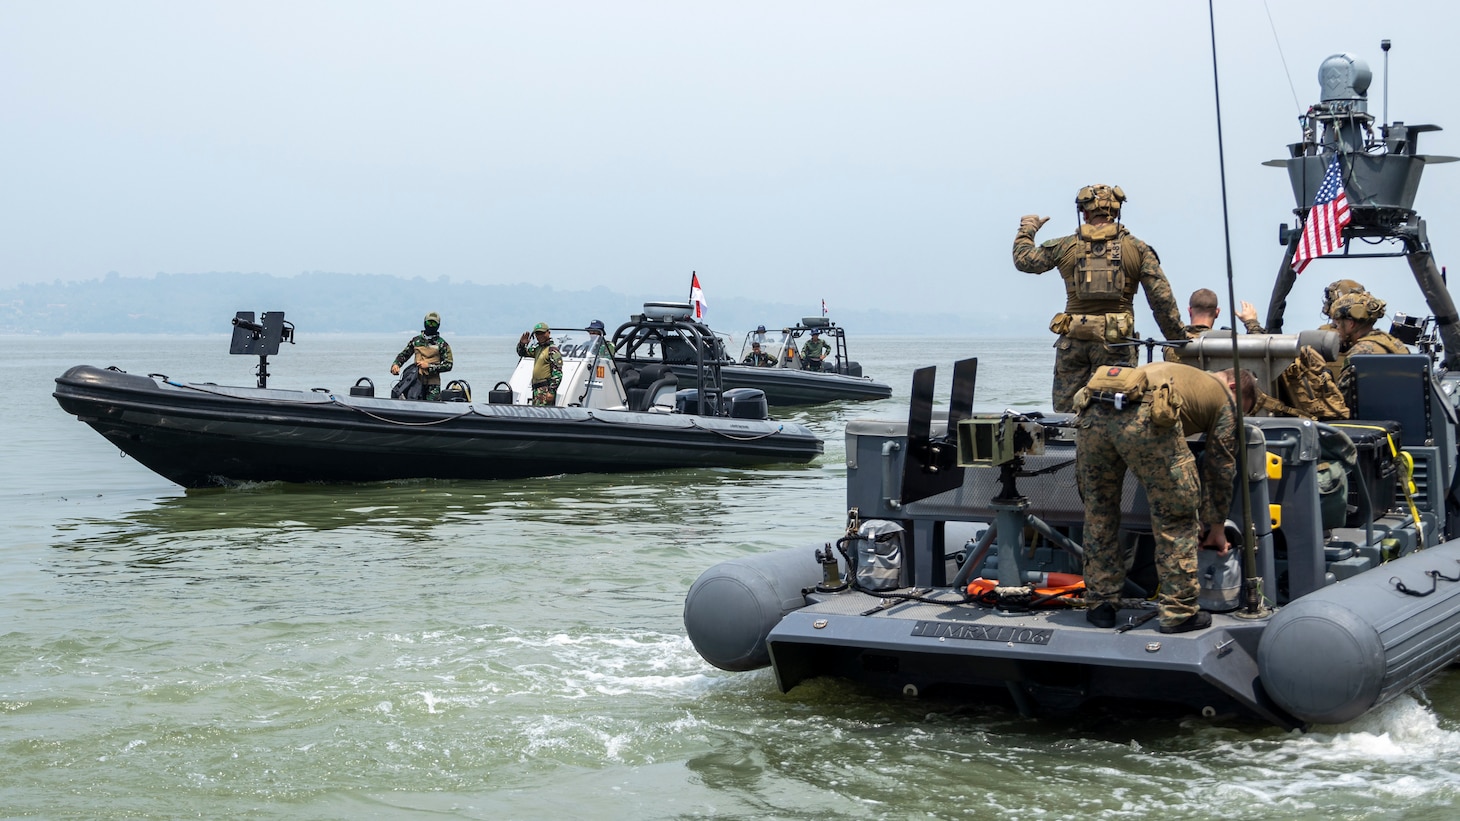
{"points": [[790, 381]]}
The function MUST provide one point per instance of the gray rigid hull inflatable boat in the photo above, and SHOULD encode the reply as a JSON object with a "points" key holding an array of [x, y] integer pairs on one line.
{"points": [[958, 573]]}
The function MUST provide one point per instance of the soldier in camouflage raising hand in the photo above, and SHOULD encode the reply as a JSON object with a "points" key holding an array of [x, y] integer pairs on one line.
{"points": [[547, 363], [1102, 265]]}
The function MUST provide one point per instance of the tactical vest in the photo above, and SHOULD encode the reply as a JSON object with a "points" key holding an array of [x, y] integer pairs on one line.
{"points": [[1105, 274], [1390, 344], [542, 370], [427, 355]]}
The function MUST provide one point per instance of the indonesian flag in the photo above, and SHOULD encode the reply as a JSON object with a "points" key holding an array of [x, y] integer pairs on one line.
{"points": [[697, 296]]}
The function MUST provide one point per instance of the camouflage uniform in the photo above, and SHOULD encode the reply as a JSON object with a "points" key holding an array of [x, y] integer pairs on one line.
{"points": [[1076, 359], [1266, 404], [433, 358], [1374, 342], [1190, 332], [760, 359], [814, 353], [1366, 309], [1109, 440], [547, 370]]}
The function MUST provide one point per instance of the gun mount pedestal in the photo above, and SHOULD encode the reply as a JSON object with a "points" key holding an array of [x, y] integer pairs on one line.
{"points": [[263, 339]]}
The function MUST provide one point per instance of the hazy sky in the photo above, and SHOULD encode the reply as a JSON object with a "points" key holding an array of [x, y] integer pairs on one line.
{"points": [[865, 153]]}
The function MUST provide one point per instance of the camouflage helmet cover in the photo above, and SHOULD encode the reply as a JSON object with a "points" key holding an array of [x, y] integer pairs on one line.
{"points": [[1359, 306], [1338, 289], [1100, 199]]}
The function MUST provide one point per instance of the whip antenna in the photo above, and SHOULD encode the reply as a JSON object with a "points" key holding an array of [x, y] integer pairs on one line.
{"points": [[1252, 587], [1384, 44]]}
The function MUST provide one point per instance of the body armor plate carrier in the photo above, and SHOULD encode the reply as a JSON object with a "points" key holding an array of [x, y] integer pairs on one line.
{"points": [[1099, 274]]}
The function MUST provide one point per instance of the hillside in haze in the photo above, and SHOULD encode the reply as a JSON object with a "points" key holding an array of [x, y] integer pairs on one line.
{"points": [[321, 302]]}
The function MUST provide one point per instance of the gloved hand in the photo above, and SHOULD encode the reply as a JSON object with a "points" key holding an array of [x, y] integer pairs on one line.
{"points": [[1032, 223]]}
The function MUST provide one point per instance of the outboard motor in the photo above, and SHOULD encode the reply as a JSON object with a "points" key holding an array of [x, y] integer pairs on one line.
{"points": [[745, 403]]}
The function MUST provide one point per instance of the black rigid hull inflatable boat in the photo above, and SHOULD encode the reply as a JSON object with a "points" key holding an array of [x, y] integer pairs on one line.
{"points": [[201, 435], [788, 382]]}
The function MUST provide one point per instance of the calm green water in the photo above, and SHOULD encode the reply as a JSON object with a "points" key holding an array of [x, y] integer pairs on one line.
{"points": [[503, 650]]}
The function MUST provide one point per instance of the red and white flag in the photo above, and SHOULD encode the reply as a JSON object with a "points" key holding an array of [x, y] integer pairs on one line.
{"points": [[1323, 232], [697, 296]]}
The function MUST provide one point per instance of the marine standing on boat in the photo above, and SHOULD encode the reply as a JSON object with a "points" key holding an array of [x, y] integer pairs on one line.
{"points": [[547, 366], [598, 344], [1203, 309], [813, 353], [1102, 265], [432, 355], [759, 358], [1140, 418]]}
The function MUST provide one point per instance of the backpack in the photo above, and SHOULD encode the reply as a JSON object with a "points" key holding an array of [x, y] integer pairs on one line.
{"points": [[1307, 386]]}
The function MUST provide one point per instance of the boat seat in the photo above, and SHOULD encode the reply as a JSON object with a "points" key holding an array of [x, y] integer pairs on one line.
{"points": [[644, 386], [1394, 386]]}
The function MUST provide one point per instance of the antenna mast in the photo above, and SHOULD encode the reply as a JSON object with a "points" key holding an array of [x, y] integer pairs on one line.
{"points": [[1384, 44]]}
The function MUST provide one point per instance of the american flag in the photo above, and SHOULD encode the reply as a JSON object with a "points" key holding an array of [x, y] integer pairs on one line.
{"points": [[1323, 232]]}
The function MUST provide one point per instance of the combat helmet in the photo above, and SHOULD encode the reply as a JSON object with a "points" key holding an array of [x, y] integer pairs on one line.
{"points": [[1363, 307], [1094, 200], [1338, 289]]}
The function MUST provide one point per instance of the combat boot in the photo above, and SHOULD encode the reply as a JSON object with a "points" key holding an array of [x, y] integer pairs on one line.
{"points": [[1199, 620], [1102, 615]]}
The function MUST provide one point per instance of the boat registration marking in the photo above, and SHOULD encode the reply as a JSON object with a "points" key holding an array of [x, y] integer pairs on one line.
{"points": [[979, 632]]}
